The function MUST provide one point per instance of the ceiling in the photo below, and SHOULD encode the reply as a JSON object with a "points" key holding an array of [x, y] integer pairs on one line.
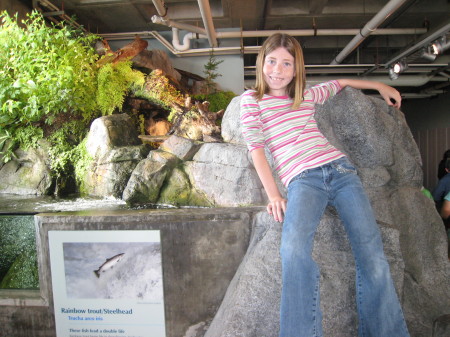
{"points": [[340, 38]]}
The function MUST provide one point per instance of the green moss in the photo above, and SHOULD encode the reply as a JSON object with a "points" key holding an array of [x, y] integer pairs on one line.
{"points": [[83, 161], [217, 101], [178, 191]]}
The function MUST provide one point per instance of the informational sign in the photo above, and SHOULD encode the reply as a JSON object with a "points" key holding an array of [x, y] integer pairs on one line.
{"points": [[107, 283]]}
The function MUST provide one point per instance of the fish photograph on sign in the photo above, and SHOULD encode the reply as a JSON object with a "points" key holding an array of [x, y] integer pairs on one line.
{"points": [[113, 270], [108, 264]]}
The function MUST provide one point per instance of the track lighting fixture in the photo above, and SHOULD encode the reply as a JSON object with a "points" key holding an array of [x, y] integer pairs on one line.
{"points": [[397, 69], [427, 55], [440, 45], [400, 67]]}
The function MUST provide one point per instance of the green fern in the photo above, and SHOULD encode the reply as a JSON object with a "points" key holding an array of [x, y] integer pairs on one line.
{"points": [[114, 82]]}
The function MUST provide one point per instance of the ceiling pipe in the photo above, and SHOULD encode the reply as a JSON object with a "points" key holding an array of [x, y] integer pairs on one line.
{"points": [[205, 11], [173, 24], [319, 32], [186, 40], [303, 32], [368, 29], [259, 33], [161, 8]]}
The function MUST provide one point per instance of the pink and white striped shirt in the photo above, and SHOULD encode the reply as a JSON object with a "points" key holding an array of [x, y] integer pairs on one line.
{"points": [[292, 136]]}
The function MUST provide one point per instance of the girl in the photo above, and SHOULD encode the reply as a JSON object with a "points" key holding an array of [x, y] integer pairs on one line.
{"points": [[279, 114]]}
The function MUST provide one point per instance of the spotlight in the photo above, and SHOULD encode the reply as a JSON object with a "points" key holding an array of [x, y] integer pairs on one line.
{"points": [[400, 67], [397, 69], [439, 46]]}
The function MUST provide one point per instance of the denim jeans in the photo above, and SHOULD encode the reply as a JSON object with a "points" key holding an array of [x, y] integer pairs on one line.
{"points": [[336, 184]]}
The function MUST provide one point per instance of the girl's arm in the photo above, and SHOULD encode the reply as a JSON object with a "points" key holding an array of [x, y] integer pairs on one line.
{"points": [[387, 92], [277, 204]]}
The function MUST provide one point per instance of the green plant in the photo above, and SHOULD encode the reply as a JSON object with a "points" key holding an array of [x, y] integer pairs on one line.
{"points": [[45, 72], [114, 82], [211, 73], [217, 101], [83, 162]]}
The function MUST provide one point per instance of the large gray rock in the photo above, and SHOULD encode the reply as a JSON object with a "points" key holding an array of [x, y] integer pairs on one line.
{"points": [[251, 305], [109, 132], [377, 139], [231, 126], [28, 173], [148, 177], [109, 174], [116, 149], [183, 148], [223, 172]]}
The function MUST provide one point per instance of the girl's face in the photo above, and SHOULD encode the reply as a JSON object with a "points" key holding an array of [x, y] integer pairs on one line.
{"points": [[278, 70]]}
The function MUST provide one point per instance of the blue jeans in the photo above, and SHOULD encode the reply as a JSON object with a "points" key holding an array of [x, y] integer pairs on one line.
{"points": [[336, 184]]}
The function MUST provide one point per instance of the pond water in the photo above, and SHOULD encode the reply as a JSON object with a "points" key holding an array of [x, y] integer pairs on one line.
{"points": [[18, 261]]}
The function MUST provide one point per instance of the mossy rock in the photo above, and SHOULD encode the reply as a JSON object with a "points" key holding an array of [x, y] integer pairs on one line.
{"points": [[178, 191], [23, 273]]}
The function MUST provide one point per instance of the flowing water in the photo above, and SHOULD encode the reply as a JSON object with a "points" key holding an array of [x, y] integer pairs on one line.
{"points": [[18, 261]]}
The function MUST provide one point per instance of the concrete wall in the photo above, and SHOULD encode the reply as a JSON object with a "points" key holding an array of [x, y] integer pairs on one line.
{"points": [[201, 251]]}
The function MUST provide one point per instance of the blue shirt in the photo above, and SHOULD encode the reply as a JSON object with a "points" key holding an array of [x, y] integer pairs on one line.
{"points": [[442, 188]]}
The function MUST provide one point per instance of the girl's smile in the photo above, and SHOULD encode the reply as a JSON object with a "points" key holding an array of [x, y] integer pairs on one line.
{"points": [[278, 71]]}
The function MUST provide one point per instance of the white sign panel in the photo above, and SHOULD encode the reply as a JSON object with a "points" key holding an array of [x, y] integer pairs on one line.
{"points": [[107, 283]]}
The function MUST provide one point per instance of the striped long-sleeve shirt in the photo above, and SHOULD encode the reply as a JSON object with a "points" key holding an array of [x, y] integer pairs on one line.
{"points": [[292, 136]]}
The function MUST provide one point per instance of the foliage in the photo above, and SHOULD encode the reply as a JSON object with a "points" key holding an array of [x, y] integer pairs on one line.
{"points": [[158, 89], [217, 101], [64, 150], [114, 81], [83, 160], [45, 71], [211, 74]]}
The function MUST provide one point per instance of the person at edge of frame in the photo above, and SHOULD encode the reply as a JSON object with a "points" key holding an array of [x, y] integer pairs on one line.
{"points": [[279, 114]]}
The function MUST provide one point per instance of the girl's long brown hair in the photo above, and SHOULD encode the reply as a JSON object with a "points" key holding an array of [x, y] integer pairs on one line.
{"points": [[297, 86]]}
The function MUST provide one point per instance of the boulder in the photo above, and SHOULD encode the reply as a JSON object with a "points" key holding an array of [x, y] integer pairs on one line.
{"points": [[231, 126], [183, 148], [251, 305], [148, 177], [109, 174], [116, 149], [28, 173], [224, 173], [112, 131], [378, 141]]}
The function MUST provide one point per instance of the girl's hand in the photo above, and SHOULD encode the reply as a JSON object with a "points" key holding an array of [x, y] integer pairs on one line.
{"points": [[389, 93], [276, 208]]}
